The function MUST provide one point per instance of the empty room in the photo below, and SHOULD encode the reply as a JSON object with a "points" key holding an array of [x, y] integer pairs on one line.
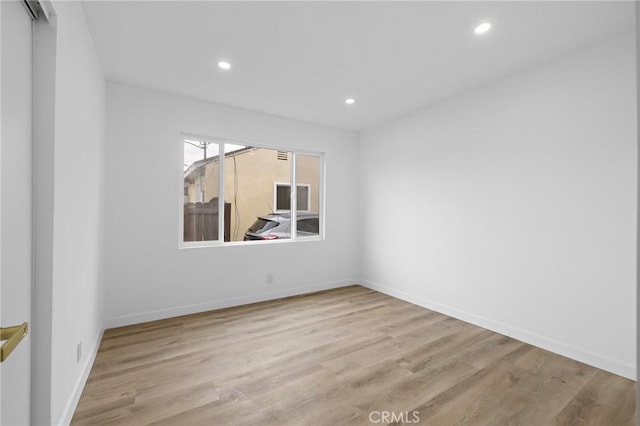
{"points": [[318, 212]]}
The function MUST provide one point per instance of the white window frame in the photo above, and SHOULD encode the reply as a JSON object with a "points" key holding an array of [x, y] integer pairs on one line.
{"points": [[221, 141], [275, 196]]}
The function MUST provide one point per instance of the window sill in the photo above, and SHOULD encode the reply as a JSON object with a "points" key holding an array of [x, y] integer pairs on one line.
{"points": [[209, 244]]}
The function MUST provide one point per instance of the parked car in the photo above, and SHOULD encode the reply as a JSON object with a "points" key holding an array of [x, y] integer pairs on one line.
{"points": [[278, 225]]}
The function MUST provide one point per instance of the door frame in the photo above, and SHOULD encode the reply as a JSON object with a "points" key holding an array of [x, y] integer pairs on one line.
{"points": [[43, 135]]}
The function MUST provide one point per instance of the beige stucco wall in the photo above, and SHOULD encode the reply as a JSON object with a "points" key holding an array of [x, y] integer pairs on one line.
{"points": [[255, 173]]}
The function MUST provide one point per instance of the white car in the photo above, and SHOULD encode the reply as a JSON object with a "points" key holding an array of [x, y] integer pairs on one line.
{"points": [[278, 225]]}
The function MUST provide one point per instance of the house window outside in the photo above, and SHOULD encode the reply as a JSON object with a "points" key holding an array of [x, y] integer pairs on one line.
{"points": [[282, 194], [235, 192]]}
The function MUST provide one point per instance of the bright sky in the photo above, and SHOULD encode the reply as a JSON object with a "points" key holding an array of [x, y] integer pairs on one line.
{"points": [[193, 153]]}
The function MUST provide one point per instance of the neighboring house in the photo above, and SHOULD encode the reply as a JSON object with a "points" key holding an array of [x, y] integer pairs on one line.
{"points": [[257, 182]]}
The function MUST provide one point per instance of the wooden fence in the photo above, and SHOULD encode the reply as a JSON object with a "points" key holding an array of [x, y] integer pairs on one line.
{"points": [[201, 221]]}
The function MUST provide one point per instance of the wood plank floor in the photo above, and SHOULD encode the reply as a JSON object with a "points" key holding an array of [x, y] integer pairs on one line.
{"points": [[339, 357]]}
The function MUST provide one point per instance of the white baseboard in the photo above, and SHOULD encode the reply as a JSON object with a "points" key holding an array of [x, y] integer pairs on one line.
{"points": [[587, 357], [222, 303], [70, 408]]}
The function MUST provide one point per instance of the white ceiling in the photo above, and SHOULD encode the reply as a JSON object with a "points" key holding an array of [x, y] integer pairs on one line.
{"points": [[302, 59]]}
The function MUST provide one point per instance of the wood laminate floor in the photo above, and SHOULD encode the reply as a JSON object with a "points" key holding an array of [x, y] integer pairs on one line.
{"points": [[339, 357]]}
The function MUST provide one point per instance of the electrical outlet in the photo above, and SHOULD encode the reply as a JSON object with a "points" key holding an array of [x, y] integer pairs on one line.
{"points": [[269, 278], [79, 352]]}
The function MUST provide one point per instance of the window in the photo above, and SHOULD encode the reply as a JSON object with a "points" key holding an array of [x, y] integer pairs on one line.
{"points": [[201, 190], [309, 225], [282, 195], [234, 192]]}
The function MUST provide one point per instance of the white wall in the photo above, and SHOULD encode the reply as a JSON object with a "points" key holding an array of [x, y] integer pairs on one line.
{"points": [[148, 277], [513, 206], [78, 206]]}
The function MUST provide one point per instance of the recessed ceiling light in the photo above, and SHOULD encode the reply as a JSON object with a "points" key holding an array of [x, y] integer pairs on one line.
{"points": [[224, 65], [482, 28], [349, 101]]}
